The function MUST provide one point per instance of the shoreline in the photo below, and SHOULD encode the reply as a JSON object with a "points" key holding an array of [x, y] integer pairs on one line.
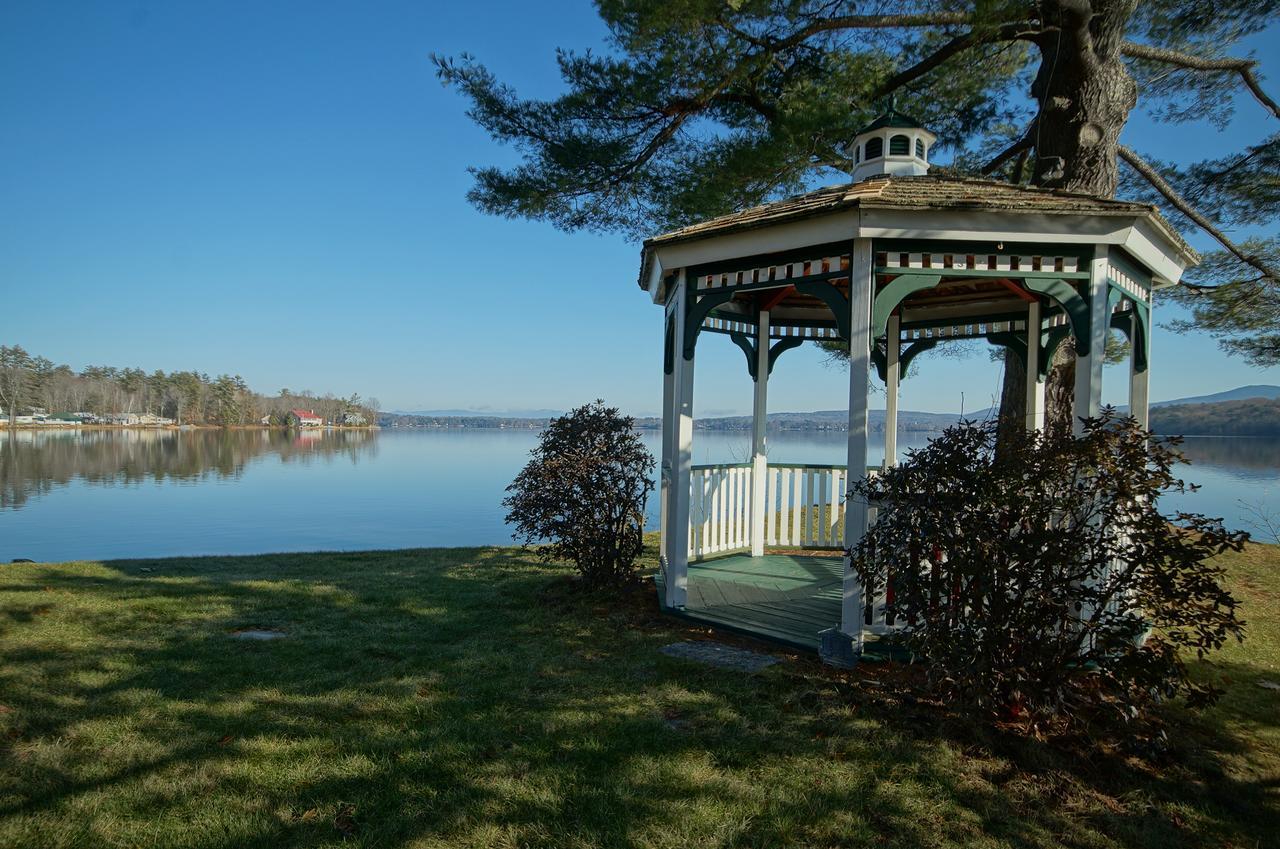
{"points": [[175, 427]]}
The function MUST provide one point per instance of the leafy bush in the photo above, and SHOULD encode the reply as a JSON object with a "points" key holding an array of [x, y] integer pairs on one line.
{"points": [[584, 493], [1043, 576]]}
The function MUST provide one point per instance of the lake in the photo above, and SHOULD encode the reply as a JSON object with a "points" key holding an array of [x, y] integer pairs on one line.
{"points": [[147, 493]]}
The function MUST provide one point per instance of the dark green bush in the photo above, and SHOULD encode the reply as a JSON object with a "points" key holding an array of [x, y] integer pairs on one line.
{"points": [[583, 493], [1042, 576]]}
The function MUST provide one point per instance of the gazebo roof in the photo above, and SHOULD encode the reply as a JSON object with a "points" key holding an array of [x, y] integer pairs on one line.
{"points": [[891, 118], [924, 193]]}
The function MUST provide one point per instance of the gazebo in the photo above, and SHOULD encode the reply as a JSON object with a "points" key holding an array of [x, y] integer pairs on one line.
{"points": [[891, 264]]}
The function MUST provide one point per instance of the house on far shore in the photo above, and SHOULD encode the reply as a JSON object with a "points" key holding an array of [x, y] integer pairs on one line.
{"points": [[352, 419], [123, 419], [303, 418]]}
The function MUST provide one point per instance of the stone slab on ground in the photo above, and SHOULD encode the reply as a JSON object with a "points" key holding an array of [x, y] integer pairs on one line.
{"points": [[721, 655], [257, 634]]}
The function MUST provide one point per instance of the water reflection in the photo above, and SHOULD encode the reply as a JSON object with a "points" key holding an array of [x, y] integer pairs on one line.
{"points": [[149, 493], [35, 462], [1237, 453]]}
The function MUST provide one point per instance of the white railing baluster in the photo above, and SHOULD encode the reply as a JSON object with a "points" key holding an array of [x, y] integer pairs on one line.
{"points": [[836, 522], [784, 505], [770, 515], [808, 507], [797, 505]]}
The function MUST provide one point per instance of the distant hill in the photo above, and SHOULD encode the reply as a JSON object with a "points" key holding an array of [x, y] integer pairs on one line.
{"points": [[1246, 410], [1257, 390], [1250, 416]]}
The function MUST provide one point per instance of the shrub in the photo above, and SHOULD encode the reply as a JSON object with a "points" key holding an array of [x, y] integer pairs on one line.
{"points": [[584, 493], [1043, 576]]}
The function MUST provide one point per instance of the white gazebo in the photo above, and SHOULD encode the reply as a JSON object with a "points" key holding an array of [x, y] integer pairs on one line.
{"points": [[891, 264]]}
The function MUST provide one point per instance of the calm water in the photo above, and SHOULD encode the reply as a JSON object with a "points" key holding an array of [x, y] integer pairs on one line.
{"points": [[104, 494]]}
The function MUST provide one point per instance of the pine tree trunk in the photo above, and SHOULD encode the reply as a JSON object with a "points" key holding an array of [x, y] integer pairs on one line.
{"points": [[1085, 94]]}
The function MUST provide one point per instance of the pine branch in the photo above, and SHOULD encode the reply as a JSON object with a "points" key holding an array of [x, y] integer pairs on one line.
{"points": [[842, 22], [958, 45], [1243, 67], [1019, 147], [1161, 185]]}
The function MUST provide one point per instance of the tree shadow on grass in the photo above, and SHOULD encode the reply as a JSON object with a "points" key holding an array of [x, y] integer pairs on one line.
{"points": [[436, 698]]}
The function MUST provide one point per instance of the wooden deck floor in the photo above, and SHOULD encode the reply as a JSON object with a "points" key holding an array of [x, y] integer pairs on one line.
{"points": [[780, 597]]}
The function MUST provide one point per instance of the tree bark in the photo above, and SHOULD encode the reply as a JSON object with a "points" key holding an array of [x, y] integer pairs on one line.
{"points": [[1085, 94]]}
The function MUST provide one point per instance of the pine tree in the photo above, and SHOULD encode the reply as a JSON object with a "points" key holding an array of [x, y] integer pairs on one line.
{"points": [[704, 107]]}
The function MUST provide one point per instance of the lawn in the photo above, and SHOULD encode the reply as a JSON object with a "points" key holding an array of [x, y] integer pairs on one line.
{"points": [[463, 698]]}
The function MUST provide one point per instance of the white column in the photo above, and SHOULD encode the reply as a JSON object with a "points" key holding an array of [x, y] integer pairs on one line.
{"points": [[855, 514], [668, 430], [759, 418], [1088, 395], [1139, 397], [892, 374], [681, 452], [1035, 384]]}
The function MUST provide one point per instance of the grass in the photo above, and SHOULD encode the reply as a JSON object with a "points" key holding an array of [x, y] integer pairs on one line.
{"points": [[465, 698]]}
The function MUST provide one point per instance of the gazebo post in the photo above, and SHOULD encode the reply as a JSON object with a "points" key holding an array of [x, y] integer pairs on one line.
{"points": [[1088, 393], [1139, 397], [678, 446], [1035, 382], [892, 374], [759, 418], [843, 646]]}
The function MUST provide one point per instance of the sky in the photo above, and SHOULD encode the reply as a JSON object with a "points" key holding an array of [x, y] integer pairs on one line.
{"points": [[277, 190]]}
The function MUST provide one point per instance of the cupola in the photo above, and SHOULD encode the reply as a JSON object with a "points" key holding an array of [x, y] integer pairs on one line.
{"points": [[893, 144]]}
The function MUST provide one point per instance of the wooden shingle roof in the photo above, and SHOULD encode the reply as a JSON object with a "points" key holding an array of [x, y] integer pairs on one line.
{"points": [[925, 192]]}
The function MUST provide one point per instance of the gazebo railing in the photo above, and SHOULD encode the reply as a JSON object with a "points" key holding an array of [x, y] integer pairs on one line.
{"points": [[719, 508], [804, 507]]}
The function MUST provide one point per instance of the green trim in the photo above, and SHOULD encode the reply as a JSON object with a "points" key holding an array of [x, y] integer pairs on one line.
{"points": [[832, 297], [696, 312], [898, 290], [986, 272], [1122, 322], [1015, 342], [748, 347], [1076, 305], [905, 356], [1082, 253], [669, 345], [783, 345], [1049, 342], [880, 357], [748, 263], [1116, 294]]}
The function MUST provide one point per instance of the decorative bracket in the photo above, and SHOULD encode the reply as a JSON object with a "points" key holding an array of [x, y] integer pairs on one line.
{"points": [[898, 290], [880, 358], [1122, 322], [1076, 305], [697, 312], [1049, 342], [748, 346], [832, 297]]}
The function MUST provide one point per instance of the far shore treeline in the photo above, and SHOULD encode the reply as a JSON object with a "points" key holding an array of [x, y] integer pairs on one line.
{"points": [[1235, 417], [29, 383]]}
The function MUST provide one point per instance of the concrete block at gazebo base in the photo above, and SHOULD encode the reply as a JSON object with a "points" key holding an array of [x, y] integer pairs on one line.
{"points": [[837, 648]]}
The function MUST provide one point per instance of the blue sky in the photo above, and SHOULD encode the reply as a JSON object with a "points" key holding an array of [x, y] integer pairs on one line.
{"points": [[277, 190]]}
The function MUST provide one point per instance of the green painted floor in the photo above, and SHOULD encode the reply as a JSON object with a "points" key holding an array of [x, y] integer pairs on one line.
{"points": [[779, 597]]}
